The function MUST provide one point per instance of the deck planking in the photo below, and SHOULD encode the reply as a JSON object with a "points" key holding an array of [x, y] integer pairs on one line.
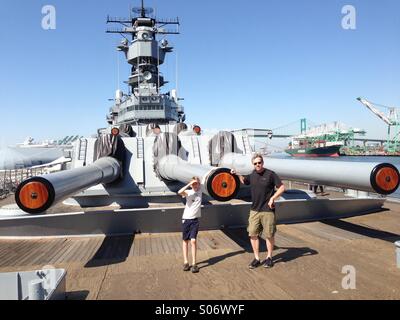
{"points": [[309, 258]]}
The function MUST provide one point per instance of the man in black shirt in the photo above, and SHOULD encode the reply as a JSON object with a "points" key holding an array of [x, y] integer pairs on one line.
{"points": [[262, 216]]}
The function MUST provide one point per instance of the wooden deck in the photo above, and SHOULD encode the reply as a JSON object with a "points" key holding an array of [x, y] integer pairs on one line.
{"points": [[308, 262]]}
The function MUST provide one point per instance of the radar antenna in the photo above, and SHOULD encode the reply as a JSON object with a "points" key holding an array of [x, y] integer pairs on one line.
{"points": [[142, 11]]}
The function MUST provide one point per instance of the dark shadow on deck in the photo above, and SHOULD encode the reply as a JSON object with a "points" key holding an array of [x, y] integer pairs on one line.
{"points": [[293, 253], [214, 260], [363, 230], [241, 238], [77, 295], [114, 249]]}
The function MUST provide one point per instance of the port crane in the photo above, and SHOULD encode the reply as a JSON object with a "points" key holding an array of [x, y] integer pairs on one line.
{"points": [[391, 119]]}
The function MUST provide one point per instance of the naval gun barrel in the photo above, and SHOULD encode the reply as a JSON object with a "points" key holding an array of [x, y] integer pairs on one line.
{"points": [[218, 183], [382, 178], [37, 194]]}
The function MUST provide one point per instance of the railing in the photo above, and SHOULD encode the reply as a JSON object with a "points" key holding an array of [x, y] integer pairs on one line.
{"points": [[10, 179]]}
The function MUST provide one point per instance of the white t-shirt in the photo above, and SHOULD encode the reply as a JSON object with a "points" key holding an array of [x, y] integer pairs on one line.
{"points": [[193, 205]]}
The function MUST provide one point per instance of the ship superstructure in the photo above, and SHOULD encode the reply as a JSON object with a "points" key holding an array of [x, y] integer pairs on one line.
{"points": [[145, 53]]}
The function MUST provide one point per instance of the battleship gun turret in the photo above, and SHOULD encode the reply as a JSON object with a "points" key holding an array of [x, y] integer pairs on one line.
{"points": [[218, 183], [382, 178], [37, 194]]}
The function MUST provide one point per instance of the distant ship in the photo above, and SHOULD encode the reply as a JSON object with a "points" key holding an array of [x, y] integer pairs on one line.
{"points": [[326, 140], [330, 151], [303, 147]]}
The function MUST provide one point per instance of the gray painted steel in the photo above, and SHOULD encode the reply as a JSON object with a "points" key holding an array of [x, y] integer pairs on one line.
{"points": [[174, 168], [104, 170], [220, 215], [35, 290], [69, 182], [49, 285], [146, 54], [342, 174]]}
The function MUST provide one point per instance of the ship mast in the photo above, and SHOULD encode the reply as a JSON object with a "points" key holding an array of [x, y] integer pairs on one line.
{"points": [[145, 54]]}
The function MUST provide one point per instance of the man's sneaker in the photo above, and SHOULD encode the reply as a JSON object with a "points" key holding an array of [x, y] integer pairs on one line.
{"points": [[195, 268], [268, 263], [186, 267], [254, 264]]}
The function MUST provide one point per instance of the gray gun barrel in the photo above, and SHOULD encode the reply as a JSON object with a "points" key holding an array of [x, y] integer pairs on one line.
{"points": [[218, 183], [382, 178], [37, 194]]}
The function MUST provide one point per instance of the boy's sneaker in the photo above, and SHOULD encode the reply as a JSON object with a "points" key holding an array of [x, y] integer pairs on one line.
{"points": [[195, 268], [268, 263], [186, 267], [254, 264]]}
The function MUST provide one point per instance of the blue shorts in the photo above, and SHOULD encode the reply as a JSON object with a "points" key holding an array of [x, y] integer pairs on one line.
{"points": [[190, 228]]}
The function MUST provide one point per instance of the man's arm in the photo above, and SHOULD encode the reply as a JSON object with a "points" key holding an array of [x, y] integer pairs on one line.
{"points": [[277, 194]]}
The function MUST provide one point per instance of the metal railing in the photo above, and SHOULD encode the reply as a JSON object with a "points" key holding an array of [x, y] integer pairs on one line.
{"points": [[10, 179]]}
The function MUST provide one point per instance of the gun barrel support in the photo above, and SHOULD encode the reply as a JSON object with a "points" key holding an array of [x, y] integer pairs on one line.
{"points": [[37, 194], [218, 183], [382, 178]]}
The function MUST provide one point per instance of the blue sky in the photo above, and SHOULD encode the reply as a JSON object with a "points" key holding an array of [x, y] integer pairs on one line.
{"points": [[241, 64]]}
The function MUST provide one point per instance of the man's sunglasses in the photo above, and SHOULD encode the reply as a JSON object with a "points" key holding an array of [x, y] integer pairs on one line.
{"points": [[256, 163]]}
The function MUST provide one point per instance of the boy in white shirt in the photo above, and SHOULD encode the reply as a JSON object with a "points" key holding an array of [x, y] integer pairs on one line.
{"points": [[190, 221]]}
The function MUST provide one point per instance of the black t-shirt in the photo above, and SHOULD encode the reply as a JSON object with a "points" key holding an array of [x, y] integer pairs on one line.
{"points": [[262, 188]]}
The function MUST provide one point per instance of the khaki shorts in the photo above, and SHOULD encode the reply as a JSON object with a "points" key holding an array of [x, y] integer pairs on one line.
{"points": [[261, 223]]}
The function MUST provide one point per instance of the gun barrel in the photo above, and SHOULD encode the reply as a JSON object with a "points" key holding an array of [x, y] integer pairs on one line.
{"points": [[37, 194], [382, 178], [218, 183]]}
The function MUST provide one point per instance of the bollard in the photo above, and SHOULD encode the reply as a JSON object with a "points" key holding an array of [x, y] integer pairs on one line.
{"points": [[397, 244], [36, 291]]}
